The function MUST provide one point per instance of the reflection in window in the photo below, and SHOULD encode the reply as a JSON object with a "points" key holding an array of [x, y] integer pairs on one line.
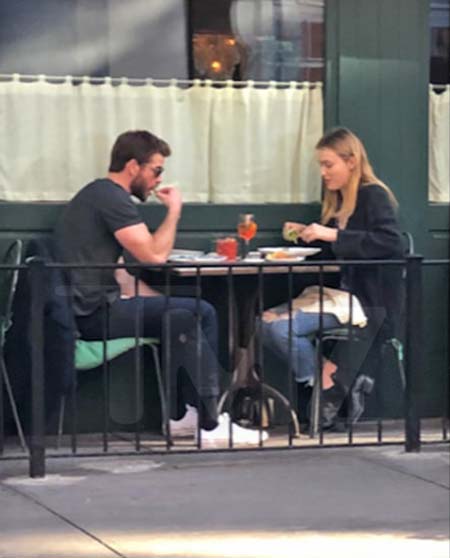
{"points": [[280, 40], [439, 42], [439, 103]]}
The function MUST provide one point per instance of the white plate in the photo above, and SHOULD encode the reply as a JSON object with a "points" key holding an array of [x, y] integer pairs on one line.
{"points": [[187, 253], [205, 258], [292, 251]]}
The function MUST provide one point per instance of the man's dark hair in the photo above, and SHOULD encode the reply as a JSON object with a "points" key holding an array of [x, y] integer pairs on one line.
{"points": [[136, 144]]}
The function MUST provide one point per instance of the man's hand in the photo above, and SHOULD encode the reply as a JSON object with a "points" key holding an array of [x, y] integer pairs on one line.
{"points": [[171, 198], [156, 247], [318, 232]]}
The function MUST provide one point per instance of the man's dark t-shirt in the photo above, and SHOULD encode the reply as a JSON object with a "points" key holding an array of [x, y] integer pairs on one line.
{"points": [[85, 234]]}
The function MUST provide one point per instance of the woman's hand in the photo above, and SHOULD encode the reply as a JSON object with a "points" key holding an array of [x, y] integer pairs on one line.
{"points": [[318, 232], [291, 231], [291, 226]]}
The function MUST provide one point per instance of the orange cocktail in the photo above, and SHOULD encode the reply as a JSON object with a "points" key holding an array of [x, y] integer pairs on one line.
{"points": [[246, 230], [247, 227]]}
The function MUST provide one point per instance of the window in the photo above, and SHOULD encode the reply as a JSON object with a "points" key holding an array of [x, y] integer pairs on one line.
{"points": [[281, 40], [439, 42], [439, 101]]}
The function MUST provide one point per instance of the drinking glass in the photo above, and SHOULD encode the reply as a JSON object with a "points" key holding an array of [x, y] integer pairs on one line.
{"points": [[227, 247], [246, 230]]}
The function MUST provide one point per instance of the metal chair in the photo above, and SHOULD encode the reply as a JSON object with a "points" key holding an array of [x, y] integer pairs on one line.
{"points": [[8, 283], [86, 355], [90, 354], [353, 333]]}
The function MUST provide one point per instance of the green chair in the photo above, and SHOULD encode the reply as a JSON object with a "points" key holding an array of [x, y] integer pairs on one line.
{"points": [[89, 355], [344, 334], [8, 283]]}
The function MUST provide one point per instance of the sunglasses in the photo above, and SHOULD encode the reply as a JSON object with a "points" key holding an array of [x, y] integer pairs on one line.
{"points": [[157, 171]]}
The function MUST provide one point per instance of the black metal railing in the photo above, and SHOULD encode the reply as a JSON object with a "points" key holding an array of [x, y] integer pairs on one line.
{"points": [[254, 281]]}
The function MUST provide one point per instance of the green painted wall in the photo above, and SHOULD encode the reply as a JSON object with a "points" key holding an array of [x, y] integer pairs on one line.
{"points": [[199, 226], [377, 57], [377, 85]]}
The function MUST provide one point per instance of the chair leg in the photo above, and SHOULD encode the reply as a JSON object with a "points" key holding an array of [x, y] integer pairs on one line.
{"points": [[398, 348], [62, 408], [315, 405], [13, 406], [401, 370], [162, 395]]}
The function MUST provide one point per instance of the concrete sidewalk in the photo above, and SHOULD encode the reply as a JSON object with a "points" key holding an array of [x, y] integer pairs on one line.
{"points": [[299, 503]]}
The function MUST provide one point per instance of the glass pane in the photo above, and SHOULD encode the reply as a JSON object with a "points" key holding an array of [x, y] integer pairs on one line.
{"points": [[440, 42], [279, 40], [439, 101]]}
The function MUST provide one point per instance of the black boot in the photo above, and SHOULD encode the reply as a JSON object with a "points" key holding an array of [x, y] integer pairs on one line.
{"points": [[332, 400], [361, 388], [304, 392]]}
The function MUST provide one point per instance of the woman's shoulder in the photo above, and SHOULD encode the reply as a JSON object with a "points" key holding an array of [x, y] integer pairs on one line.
{"points": [[372, 189], [375, 193]]}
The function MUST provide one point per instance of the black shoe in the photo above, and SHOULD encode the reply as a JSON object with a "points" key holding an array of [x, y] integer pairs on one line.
{"points": [[332, 400], [362, 387]]}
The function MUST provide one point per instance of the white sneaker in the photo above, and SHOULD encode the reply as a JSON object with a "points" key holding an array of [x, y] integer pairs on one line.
{"points": [[186, 426], [221, 434]]}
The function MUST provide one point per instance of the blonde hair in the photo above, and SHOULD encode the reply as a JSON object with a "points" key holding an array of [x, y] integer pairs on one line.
{"points": [[341, 205]]}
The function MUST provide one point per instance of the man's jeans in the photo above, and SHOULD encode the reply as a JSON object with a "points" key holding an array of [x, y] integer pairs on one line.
{"points": [[157, 315]]}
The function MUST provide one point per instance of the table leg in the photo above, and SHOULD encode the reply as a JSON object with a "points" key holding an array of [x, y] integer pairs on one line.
{"points": [[245, 375]]}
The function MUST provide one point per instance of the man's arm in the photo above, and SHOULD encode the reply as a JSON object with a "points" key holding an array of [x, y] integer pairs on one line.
{"points": [[130, 286], [154, 248]]}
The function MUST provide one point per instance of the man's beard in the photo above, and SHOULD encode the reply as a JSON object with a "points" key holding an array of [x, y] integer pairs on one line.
{"points": [[139, 189]]}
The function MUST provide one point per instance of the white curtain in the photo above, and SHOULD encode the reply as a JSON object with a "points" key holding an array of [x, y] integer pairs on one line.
{"points": [[439, 145], [229, 145], [262, 144]]}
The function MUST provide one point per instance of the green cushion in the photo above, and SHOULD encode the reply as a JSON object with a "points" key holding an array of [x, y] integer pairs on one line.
{"points": [[89, 354]]}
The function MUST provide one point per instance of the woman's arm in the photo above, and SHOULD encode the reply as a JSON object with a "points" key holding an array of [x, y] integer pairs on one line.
{"points": [[309, 235]]}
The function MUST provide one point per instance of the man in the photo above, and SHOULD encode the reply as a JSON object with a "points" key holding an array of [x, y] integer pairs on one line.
{"points": [[98, 224]]}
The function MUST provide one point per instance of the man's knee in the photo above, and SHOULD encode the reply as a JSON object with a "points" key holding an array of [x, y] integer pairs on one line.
{"points": [[207, 312], [180, 320]]}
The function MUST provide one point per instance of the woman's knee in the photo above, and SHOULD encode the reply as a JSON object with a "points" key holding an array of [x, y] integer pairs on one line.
{"points": [[276, 333]]}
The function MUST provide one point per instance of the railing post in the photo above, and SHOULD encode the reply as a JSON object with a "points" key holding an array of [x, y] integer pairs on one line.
{"points": [[37, 440], [414, 350]]}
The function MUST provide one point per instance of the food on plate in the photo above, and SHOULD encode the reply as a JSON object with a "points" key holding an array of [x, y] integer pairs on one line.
{"points": [[281, 255]]}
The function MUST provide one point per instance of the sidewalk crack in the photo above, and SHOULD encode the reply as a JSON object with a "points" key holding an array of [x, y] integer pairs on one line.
{"points": [[63, 518], [406, 473]]}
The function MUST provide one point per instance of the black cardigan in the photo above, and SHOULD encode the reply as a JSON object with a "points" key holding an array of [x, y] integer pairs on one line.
{"points": [[373, 232]]}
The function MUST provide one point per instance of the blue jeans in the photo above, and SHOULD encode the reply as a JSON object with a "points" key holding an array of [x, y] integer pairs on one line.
{"points": [[304, 324], [154, 314]]}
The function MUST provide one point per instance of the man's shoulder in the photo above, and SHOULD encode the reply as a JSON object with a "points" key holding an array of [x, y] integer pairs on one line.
{"points": [[102, 187], [101, 193]]}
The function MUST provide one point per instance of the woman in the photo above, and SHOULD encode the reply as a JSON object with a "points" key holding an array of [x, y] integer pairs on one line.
{"points": [[358, 221]]}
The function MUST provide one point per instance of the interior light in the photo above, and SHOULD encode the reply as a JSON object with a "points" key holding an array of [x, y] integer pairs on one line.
{"points": [[216, 65]]}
